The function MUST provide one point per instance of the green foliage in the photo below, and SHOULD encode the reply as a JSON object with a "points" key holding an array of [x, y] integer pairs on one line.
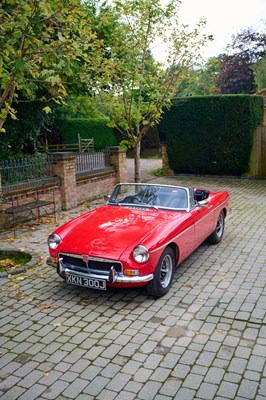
{"points": [[260, 73], [87, 128], [151, 139], [236, 74], [158, 172], [21, 135], [125, 144], [45, 45], [133, 85], [202, 79], [211, 134], [83, 106]]}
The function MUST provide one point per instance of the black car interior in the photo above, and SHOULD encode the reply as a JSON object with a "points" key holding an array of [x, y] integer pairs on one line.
{"points": [[201, 194]]}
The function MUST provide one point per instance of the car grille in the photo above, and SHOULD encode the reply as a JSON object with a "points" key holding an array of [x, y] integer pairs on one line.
{"points": [[93, 265]]}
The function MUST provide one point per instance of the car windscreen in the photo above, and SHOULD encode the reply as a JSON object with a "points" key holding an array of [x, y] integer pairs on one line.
{"points": [[150, 196]]}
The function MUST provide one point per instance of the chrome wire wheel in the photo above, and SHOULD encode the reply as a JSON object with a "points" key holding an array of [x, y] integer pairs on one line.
{"points": [[163, 274], [220, 225], [166, 271], [218, 232]]}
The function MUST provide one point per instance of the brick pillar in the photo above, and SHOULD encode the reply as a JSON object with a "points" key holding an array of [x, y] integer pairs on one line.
{"points": [[118, 160], [65, 168], [166, 168]]}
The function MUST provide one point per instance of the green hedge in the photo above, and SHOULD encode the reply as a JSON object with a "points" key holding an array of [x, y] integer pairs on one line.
{"points": [[87, 128], [211, 134]]}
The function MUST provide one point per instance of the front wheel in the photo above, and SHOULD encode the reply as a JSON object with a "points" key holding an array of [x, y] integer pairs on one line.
{"points": [[163, 274], [217, 234]]}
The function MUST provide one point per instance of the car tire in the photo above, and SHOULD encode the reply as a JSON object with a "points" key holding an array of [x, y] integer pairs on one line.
{"points": [[217, 234], [163, 274]]}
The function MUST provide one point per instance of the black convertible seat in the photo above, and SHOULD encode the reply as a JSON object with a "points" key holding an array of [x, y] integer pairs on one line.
{"points": [[201, 194]]}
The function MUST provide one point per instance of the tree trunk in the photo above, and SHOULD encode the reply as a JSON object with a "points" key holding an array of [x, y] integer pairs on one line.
{"points": [[137, 161], [6, 100]]}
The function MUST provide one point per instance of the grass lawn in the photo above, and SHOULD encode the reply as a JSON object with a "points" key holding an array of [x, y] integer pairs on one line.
{"points": [[10, 260]]}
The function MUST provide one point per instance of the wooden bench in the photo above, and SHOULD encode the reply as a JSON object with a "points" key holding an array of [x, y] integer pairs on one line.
{"points": [[20, 206]]}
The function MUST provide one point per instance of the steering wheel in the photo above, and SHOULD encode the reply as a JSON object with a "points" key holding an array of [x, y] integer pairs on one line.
{"points": [[132, 200]]}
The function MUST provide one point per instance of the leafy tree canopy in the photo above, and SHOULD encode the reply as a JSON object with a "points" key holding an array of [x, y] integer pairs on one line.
{"points": [[260, 73], [133, 83], [44, 44], [236, 74], [202, 79]]}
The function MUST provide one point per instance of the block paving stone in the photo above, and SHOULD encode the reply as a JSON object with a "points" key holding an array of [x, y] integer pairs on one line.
{"points": [[204, 340]]}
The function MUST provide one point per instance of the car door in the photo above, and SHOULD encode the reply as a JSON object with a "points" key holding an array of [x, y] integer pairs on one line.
{"points": [[203, 224], [203, 220]]}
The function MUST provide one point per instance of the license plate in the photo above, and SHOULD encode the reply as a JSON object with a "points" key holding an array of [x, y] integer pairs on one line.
{"points": [[93, 283]]}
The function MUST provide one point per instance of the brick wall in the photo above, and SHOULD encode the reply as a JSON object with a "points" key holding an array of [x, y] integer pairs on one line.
{"points": [[74, 189], [95, 184]]}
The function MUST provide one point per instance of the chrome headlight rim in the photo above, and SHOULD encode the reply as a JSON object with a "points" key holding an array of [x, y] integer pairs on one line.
{"points": [[141, 254], [53, 241]]}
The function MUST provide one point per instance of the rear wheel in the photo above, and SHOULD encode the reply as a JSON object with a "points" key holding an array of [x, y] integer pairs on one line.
{"points": [[217, 234], [163, 274]]}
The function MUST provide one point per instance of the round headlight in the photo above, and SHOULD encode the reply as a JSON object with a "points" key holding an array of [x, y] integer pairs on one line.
{"points": [[141, 254], [53, 241]]}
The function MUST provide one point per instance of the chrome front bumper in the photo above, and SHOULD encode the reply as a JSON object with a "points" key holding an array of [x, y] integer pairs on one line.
{"points": [[118, 279]]}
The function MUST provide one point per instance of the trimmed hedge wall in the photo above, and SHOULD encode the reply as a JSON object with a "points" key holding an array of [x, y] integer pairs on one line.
{"points": [[87, 128], [211, 134]]}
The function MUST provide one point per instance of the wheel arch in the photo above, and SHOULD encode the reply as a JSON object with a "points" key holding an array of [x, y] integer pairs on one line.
{"points": [[175, 249], [224, 211]]}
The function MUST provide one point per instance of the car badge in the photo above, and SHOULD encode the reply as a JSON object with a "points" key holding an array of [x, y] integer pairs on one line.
{"points": [[85, 258]]}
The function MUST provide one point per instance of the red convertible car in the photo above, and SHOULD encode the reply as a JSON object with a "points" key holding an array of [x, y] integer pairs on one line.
{"points": [[138, 237]]}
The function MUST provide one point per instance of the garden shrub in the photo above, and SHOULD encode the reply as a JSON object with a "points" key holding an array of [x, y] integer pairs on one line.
{"points": [[87, 128], [211, 134]]}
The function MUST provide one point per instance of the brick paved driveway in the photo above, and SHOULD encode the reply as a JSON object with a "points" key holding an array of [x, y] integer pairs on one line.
{"points": [[205, 340]]}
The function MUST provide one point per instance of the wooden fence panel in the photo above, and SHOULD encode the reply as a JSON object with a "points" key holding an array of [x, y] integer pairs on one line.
{"points": [[257, 165]]}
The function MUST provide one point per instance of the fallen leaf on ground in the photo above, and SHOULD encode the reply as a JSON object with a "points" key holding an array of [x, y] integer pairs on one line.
{"points": [[44, 306], [39, 263], [21, 278], [14, 285], [222, 278], [9, 239], [18, 294], [16, 277]]}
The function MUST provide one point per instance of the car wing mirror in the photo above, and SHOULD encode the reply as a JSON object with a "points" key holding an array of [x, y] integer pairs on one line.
{"points": [[203, 203], [106, 198]]}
